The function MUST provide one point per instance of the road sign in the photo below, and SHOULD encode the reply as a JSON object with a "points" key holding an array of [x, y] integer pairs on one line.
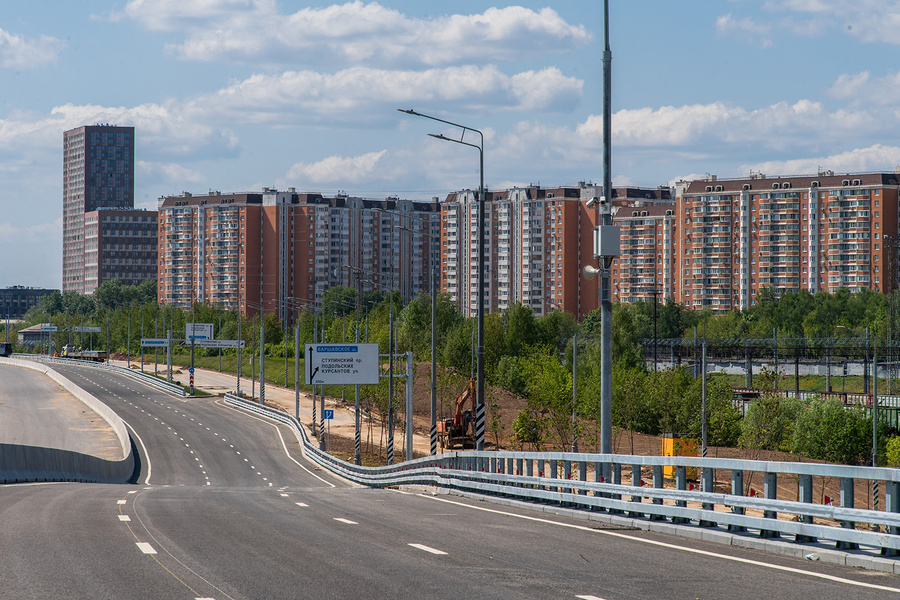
{"points": [[198, 331], [48, 328], [328, 364], [219, 343], [154, 342], [79, 329], [329, 414]]}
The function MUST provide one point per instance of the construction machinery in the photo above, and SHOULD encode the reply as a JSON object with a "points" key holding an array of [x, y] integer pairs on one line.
{"points": [[74, 352], [461, 428]]}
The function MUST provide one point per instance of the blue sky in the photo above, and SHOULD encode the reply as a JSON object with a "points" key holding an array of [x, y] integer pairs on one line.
{"points": [[234, 95]]}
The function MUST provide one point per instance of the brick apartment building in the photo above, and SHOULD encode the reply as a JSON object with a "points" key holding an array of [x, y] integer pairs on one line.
{"points": [[537, 243], [278, 251], [818, 233], [103, 236]]}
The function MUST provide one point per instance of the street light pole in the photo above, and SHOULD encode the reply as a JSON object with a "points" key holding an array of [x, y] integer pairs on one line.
{"points": [[479, 349], [606, 219]]}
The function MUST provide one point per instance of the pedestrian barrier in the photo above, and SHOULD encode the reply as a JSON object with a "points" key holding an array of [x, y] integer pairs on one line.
{"points": [[561, 478]]}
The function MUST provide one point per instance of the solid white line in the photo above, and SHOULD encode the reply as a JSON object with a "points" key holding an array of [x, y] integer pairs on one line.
{"points": [[428, 549], [623, 536], [146, 454], [146, 548], [347, 521]]}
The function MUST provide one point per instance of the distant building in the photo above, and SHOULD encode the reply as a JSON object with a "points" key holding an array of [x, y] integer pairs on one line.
{"points": [[645, 270], [98, 183], [537, 242], [817, 232], [16, 300], [277, 251]]}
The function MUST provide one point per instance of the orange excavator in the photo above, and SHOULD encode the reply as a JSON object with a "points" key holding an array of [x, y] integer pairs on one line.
{"points": [[461, 428]]}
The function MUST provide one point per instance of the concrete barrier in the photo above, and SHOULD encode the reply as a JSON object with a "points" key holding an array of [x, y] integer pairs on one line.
{"points": [[31, 463]]}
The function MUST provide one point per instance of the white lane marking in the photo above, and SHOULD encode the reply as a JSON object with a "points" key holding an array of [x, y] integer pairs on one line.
{"points": [[589, 597], [281, 437], [133, 492], [428, 549], [347, 521], [632, 538], [121, 501], [283, 495], [124, 518], [146, 548], [146, 455], [303, 504]]}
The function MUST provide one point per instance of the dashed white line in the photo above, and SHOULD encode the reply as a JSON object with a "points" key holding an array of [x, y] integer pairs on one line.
{"points": [[431, 550], [589, 597], [302, 504], [347, 521], [124, 518], [121, 501], [146, 548]]}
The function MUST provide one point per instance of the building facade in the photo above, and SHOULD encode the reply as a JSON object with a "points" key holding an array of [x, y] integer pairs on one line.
{"points": [[16, 300], [119, 244], [279, 251], [98, 177], [817, 233], [645, 270]]}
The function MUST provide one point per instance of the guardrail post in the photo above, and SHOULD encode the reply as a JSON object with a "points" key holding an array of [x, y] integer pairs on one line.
{"points": [[582, 475], [771, 492], [554, 468], [519, 470], [567, 473], [542, 471], [805, 494], [616, 479], [737, 489], [847, 502], [707, 484], [891, 504], [636, 482], [658, 483], [680, 484]]}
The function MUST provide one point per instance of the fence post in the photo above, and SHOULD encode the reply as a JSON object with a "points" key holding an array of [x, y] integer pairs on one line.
{"points": [[805, 494], [707, 484], [582, 475], [891, 504], [680, 484], [554, 468], [771, 492], [847, 502], [567, 474], [636, 482], [616, 473], [542, 471], [737, 489], [657, 484]]}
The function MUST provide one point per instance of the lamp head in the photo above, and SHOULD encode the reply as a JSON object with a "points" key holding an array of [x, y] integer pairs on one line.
{"points": [[590, 272]]}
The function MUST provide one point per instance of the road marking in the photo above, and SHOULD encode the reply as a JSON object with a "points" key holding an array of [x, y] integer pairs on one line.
{"points": [[132, 492], [347, 521], [146, 548], [284, 495], [124, 518], [632, 538], [589, 597], [433, 550], [121, 501], [303, 504]]}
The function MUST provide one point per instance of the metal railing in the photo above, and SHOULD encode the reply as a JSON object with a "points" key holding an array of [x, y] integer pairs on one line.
{"points": [[145, 377], [594, 482]]}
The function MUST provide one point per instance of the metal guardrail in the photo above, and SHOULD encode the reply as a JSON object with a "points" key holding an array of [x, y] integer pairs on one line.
{"points": [[562, 478], [149, 379]]}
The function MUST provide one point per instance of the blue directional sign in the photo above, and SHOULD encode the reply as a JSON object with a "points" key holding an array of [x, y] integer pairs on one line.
{"points": [[329, 414], [349, 364], [191, 370]]}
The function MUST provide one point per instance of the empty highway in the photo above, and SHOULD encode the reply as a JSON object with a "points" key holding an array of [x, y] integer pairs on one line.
{"points": [[224, 506]]}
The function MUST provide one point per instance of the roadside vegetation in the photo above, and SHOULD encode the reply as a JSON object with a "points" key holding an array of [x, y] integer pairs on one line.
{"points": [[531, 356]]}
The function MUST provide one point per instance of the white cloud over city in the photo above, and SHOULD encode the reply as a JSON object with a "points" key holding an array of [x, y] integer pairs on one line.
{"points": [[19, 52]]}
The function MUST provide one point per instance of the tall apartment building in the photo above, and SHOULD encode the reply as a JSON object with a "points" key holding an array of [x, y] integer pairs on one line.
{"points": [[277, 251], [98, 177], [16, 300], [645, 270], [821, 232]]}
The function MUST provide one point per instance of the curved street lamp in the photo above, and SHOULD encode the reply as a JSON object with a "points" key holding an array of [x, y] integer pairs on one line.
{"points": [[479, 349]]}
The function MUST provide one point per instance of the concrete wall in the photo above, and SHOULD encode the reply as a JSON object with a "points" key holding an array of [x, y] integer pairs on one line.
{"points": [[30, 463]]}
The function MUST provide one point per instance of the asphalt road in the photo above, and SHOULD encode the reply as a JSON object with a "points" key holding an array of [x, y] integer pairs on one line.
{"points": [[225, 507]]}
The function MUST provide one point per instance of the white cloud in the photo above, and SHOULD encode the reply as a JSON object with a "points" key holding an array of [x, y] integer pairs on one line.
{"points": [[338, 169], [363, 94], [873, 158], [16, 52], [168, 173], [354, 33], [728, 26]]}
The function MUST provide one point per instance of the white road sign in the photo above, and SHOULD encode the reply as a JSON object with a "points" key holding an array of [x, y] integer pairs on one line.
{"points": [[154, 342], [328, 364], [199, 331], [219, 343], [79, 329]]}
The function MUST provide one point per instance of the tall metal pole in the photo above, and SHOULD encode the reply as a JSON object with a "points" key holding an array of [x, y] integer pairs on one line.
{"points": [[874, 416], [703, 397], [605, 303], [575, 392], [479, 350], [433, 430], [357, 458], [240, 351], [390, 452], [297, 370]]}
